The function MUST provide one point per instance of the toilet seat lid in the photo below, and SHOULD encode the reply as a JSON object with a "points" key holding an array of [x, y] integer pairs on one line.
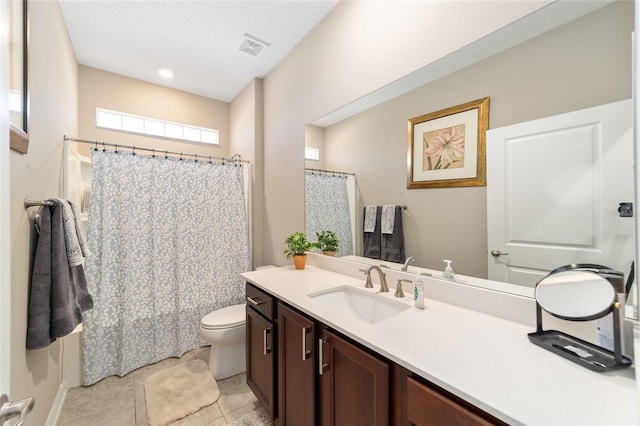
{"points": [[230, 316]]}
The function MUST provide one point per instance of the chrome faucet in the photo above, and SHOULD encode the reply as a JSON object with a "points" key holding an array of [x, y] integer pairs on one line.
{"points": [[384, 288], [409, 260]]}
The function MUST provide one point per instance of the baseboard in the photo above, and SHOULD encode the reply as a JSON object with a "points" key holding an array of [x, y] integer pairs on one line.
{"points": [[56, 408]]}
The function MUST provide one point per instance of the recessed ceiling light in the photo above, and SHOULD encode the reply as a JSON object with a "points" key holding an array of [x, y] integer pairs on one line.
{"points": [[165, 72]]}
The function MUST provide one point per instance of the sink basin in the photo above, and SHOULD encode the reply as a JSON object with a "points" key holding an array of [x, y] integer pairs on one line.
{"points": [[370, 307]]}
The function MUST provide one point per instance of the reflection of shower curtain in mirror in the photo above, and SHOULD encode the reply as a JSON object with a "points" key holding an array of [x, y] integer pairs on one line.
{"points": [[327, 208]]}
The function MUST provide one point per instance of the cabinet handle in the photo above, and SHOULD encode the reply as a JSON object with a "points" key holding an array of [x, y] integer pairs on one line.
{"points": [[253, 301], [266, 350], [305, 353], [321, 363]]}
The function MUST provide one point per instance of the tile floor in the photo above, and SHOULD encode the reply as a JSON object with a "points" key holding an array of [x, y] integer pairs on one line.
{"points": [[120, 401]]}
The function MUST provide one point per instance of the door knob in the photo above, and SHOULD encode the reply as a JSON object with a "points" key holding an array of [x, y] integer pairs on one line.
{"points": [[497, 253]]}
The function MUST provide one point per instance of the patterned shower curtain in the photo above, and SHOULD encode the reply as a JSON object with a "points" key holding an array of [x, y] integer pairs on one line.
{"points": [[168, 239], [326, 200]]}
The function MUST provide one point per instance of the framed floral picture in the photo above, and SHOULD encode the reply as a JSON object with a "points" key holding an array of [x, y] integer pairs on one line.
{"points": [[447, 147], [18, 74]]}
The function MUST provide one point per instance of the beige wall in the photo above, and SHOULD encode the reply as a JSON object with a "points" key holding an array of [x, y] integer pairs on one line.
{"points": [[246, 123], [101, 89], [37, 175], [570, 68], [358, 48]]}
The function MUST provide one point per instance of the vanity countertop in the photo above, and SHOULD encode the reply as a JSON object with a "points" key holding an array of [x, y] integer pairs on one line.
{"points": [[486, 360]]}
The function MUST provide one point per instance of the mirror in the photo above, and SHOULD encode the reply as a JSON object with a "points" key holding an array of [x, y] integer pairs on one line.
{"points": [[575, 295], [451, 223]]}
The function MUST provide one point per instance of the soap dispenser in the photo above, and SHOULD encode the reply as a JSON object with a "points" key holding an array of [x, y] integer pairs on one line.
{"points": [[418, 293], [448, 271]]}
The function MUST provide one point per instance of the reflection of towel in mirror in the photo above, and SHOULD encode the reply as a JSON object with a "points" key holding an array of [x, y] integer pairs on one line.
{"points": [[370, 216], [58, 293], [388, 218], [392, 245], [371, 239]]}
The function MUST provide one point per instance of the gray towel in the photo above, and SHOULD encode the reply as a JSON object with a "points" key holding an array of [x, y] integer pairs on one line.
{"points": [[392, 245], [84, 248], [371, 241], [74, 250], [40, 295], [58, 294]]}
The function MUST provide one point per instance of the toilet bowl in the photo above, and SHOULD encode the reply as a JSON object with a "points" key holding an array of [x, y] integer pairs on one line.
{"points": [[225, 330]]}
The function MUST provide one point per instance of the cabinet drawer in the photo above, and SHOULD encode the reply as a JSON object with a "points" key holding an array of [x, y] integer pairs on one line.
{"points": [[260, 301], [426, 406]]}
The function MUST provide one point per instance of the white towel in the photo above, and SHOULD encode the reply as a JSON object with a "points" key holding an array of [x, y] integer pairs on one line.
{"points": [[388, 218], [370, 213]]}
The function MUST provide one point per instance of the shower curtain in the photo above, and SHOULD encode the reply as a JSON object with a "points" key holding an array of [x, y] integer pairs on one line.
{"points": [[327, 208], [168, 239]]}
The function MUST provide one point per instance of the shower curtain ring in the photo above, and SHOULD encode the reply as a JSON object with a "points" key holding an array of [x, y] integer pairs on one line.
{"points": [[96, 147], [181, 156], [134, 150], [209, 159], [196, 157], [116, 148], [104, 147], [165, 154], [154, 153]]}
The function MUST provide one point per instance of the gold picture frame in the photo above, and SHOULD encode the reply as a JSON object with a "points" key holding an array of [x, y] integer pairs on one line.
{"points": [[447, 148], [18, 75]]}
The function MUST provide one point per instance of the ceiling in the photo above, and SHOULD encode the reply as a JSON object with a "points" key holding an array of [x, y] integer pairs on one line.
{"points": [[199, 40]]}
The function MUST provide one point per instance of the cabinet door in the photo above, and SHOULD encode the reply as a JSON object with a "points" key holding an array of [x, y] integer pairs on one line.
{"points": [[261, 359], [428, 407], [296, 366], [354, 384]]}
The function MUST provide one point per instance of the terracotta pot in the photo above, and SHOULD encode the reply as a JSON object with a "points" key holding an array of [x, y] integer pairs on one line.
{"points": [[329, 253], [299, 261]]}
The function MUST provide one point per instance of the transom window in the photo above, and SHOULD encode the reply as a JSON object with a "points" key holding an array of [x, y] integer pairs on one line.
{"points": [[115, 120]]}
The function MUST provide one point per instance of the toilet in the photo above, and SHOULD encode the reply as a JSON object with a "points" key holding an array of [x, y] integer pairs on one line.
{"points": [[225, 330]]}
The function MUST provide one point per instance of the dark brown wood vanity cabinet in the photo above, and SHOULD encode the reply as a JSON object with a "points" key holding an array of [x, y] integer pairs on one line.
{"points": [[261, 341], [296, 368], [354, 384], [306, 374]]}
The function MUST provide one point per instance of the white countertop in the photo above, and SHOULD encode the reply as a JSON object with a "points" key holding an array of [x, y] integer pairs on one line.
{"points": [[486, 360]]}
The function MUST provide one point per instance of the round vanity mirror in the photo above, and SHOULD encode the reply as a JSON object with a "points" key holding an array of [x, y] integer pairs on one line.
{"points": [[575, 295]]}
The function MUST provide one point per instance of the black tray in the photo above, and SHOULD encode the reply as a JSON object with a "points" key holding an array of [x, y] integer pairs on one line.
{"points": [[579, 351]]}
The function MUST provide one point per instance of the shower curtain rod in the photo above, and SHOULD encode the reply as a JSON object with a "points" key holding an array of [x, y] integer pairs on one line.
{"points": [[329, 171], [236, 158]]}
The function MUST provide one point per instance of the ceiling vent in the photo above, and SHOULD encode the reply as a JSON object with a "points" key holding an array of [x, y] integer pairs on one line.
{"points": [[253, 45]]}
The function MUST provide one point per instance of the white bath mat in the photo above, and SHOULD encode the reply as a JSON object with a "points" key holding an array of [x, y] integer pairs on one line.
{"points": [[179, 391]]}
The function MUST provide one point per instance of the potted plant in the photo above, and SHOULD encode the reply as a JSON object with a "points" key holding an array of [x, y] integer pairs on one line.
{"points": [[327, 242], [297, 246]]}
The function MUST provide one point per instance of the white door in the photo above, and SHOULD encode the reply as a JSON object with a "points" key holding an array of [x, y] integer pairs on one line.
{"points": [[554, 187]]}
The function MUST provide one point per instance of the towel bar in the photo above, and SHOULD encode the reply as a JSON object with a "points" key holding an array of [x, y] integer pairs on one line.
{"points": [[33, 203]]}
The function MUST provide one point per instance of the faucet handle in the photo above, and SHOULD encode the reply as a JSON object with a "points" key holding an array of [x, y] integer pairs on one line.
{"points": [[367, 284], [399, 292]]}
